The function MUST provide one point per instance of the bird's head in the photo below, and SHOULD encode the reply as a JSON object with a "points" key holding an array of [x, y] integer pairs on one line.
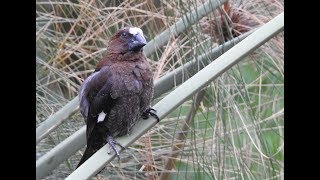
{"points": [[128, 39]]}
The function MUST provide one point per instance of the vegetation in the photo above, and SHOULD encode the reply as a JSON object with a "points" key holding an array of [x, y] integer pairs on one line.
{"points": [[232, 129]]}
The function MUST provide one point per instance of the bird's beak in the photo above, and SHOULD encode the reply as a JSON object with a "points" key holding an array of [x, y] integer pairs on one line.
{"points": [[137, 42]]}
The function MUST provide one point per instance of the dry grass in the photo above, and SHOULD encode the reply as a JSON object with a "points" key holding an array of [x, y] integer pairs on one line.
{"points": [[237, 131]]}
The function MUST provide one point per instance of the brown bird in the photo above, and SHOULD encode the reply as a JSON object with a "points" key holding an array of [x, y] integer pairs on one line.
{"points": [[118, 92]]}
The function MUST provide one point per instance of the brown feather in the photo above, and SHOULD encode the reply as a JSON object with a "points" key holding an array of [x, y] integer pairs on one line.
{"points": [[121, 87]]}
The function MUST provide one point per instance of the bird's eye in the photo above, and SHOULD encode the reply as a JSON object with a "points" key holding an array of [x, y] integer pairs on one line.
{"points": [[124, 34]]}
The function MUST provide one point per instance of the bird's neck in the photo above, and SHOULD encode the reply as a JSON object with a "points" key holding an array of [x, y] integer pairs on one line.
{"points": [[112, 58]]}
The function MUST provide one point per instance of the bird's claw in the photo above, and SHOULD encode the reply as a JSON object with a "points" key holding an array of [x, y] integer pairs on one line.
{"points": [[152, 112], [112, 144]]}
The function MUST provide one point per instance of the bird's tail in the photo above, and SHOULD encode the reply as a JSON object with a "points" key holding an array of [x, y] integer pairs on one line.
{"points": [[86, 155]]}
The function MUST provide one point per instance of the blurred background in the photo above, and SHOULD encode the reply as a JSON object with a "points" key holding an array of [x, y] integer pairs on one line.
{"points": [[232, 129]]}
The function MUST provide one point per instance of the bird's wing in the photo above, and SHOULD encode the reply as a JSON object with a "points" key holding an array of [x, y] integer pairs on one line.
{"points": [[95, 96], [101, 90], [91, 86]]}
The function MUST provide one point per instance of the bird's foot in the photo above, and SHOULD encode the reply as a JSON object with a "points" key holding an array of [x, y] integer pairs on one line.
{"points": [[150, 111], [112, 143]]}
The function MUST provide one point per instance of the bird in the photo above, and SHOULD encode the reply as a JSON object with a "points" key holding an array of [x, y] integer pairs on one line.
{"points": [[117, 93]]}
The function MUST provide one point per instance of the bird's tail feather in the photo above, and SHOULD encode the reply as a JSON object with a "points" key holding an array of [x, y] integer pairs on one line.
{"points": [[86, 155]]}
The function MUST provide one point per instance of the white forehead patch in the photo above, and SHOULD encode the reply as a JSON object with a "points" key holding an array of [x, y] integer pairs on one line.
{"points": [[135, 30], [101, 117]]}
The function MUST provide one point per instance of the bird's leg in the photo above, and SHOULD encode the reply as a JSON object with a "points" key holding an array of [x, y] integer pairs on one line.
{"points": [[112, 144], [150, 111]]}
